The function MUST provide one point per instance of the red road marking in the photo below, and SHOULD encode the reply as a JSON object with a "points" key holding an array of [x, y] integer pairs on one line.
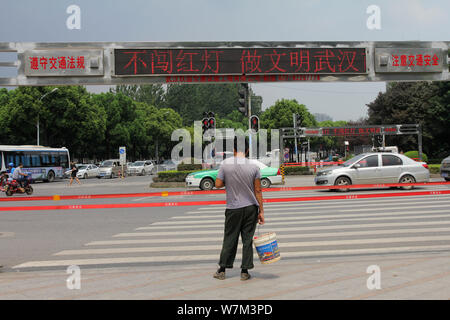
{"points": [[205, 203], [198, 192]]}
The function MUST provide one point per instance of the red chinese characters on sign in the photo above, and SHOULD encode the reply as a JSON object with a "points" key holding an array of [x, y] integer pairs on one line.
{"points": [[421, 60], [242, 61], [250, 61], [347, 131], [57, 63]]}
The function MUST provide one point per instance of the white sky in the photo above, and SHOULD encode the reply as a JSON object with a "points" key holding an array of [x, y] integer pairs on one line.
{"points": [[239, 20]]}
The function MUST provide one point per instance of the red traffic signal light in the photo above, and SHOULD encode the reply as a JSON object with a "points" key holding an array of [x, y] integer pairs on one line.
{"points": [[212, 123], [254, 123], [205, 124]]}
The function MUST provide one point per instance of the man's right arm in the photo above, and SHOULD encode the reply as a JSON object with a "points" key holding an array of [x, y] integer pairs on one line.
{"points": [[258, 195]]}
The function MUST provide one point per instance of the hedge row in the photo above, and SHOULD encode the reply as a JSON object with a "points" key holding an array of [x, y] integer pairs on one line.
{"points": [[189, 167], [434, 168], [415, 155], [172, 176], [297, 170]]}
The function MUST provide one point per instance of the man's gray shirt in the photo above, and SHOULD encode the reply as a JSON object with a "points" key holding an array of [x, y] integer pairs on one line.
{"points": [[239, 175], [16, 174]]}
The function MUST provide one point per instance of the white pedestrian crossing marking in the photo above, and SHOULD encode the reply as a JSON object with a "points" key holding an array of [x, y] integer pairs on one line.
{"points": [[313, 229]]}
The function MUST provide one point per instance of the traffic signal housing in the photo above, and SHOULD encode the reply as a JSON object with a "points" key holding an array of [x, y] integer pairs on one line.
{"points": [[212, 123], [205, 125], [243, 98], [298, 120], [254, 123]]}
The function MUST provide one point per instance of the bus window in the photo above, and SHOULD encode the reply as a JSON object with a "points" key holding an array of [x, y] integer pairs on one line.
{"points": [[45, 160], [54, 159], [9, 157], [35, 160], [64, 161]]}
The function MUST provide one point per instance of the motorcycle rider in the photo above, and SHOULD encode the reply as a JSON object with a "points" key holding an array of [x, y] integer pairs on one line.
{"points": [[19, 176], [6, 175]]}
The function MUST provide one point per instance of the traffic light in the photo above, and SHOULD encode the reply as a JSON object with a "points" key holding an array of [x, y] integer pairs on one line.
{"points": [[212, 123], [298, 120], [205, 124], [254, 123], [243, 94]]}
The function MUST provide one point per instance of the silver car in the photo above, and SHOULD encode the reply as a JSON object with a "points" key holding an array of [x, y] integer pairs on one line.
{"points": [[374, 168], [86, 171], [141, 168], [445, 168]]}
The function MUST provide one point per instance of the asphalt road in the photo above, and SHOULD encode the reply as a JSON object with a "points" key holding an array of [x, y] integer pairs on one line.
{"points": [[180, 235]]}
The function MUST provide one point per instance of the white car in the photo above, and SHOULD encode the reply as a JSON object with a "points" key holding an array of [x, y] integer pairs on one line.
{"points": [[141, 168], [373, 168], [86, 171]]}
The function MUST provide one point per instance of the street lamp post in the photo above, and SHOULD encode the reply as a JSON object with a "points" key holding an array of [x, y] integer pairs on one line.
{"points": [[37, 123]]}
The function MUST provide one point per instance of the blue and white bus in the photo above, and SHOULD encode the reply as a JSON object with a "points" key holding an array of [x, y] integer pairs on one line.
{"points": [[41, 163]]}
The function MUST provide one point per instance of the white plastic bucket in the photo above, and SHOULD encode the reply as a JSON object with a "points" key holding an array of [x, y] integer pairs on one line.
{"points": [[266, 247]]}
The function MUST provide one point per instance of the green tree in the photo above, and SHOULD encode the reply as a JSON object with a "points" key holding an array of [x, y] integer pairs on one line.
{"points": [[280, 115], [425, 103], [151, 94]]}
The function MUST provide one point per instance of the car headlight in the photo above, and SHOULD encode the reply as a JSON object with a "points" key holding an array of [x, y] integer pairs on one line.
{"points": [[325, 173]]}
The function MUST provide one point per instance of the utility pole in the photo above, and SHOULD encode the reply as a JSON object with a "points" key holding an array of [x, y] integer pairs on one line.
{"points": [[249, 114], [37, 122], [294, 118]]}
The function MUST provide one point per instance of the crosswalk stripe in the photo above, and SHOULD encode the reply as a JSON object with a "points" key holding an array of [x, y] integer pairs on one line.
{"points": [[279, 236], [380, 202], [409, 207], [299, 229], [276, 217], [282, 245], [409, 215], [323, 206], [214, 257]]}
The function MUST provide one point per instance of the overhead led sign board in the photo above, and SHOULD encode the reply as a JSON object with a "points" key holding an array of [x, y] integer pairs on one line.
{"points": [[117, 63], [239, 61]]}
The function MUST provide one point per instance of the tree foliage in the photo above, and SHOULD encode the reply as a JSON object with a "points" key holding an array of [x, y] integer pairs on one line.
{"points": [[425, 103]]}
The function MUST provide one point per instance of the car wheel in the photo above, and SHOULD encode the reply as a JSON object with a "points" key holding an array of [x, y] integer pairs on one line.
{"points": [[50, 176], [142, 173], [407, 179], [112, 175], [207, 184], [342, 181], [85, 176], [265, 183]]}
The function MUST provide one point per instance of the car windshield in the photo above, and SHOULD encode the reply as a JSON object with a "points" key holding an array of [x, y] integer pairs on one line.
{"points": [[137, 164], [106, 164], [351, 161], [168, 162], [82, 167]]}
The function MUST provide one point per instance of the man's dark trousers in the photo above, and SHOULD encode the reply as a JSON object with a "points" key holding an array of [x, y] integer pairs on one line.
{"points": [[239, 221]]}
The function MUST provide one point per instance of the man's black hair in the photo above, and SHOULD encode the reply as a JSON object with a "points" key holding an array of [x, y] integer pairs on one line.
{"points": [[236, 149]]}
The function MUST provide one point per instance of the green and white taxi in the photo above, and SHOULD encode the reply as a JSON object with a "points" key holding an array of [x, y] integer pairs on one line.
{"points": [[205, 179]]}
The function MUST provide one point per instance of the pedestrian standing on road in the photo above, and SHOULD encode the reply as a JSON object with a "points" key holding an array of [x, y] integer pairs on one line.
{"points": [[244, 209], [73, 174]]}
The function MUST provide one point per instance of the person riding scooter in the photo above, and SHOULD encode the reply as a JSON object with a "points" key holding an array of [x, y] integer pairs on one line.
{"points": [[6, 175], [19, 176]]}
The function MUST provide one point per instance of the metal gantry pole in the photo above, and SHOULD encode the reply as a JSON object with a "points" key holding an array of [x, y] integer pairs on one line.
{"points": [[419, 138], [294, 118]]}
